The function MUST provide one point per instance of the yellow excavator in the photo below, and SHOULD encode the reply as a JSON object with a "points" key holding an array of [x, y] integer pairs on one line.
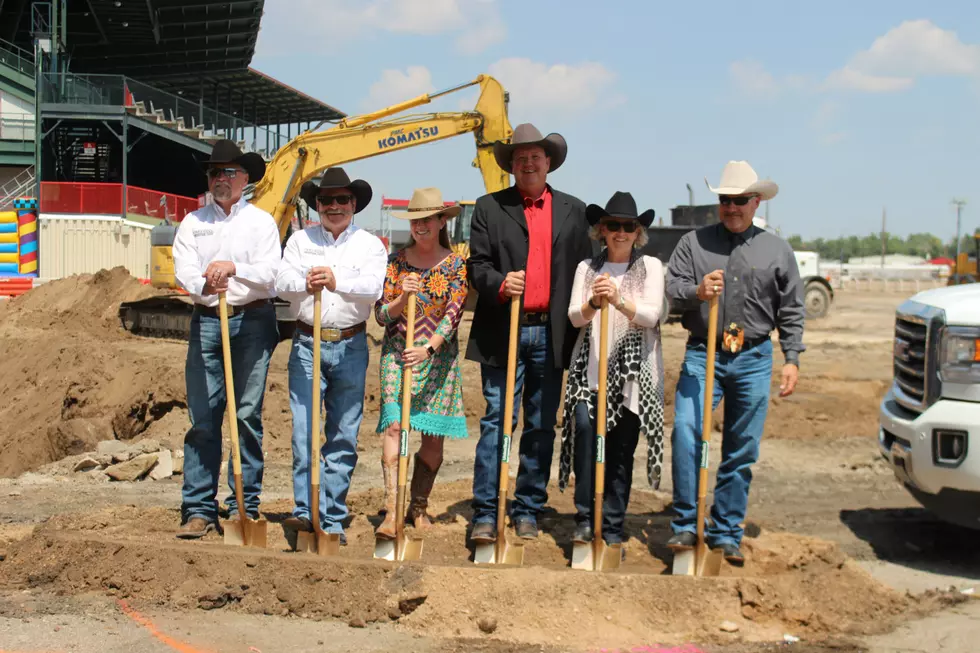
{"points": [[312, 152]]}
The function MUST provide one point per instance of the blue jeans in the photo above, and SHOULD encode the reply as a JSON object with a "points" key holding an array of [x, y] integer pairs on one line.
{"points": [[540, 381], [253, 336], [620, 446], [743, 379], [343, 366]]}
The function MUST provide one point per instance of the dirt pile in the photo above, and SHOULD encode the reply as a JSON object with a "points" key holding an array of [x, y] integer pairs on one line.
{"points": [[797, 585], [71, 377]]}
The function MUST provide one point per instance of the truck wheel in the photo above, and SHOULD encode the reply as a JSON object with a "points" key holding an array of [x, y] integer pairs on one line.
{"points": [[816, 301]]}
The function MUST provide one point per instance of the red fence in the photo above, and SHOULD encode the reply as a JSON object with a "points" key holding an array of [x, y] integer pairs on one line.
{"points": [[107, 199]]}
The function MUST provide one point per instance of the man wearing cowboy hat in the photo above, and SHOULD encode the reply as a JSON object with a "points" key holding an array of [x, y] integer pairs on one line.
{"points": [[231, 247], [348, 265], [754, 275], [525, 241]]}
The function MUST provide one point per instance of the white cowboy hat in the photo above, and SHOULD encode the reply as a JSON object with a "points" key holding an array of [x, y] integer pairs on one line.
{"points": [[738, 178], [426, 202]]}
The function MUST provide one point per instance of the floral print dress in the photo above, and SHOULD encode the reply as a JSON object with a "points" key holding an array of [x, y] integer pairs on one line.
{"points": [[437, 386]]}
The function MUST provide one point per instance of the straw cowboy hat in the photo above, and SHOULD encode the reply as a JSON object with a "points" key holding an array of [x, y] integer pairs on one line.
{"points": [[525, 134], [225, 151], [620, 205], [738, 178], [337, 178], [426, 202]]}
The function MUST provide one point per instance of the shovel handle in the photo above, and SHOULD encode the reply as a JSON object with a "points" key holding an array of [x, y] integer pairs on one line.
{"points": [[709, 393], [406, 427], [504, 478], [235, 454], [600, 440], [315, 413]]}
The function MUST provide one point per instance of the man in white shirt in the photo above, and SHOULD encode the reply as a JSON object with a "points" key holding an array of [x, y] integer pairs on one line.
{"points": [[348, 264], [228, 247]]}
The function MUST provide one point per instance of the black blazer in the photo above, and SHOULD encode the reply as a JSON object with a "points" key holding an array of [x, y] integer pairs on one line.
{"points": [[498, 245]]}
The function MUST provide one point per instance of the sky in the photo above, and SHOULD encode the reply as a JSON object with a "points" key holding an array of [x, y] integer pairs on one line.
{"points": [[854, 108]]}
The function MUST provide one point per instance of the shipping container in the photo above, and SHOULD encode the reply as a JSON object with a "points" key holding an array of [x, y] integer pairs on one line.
{"points": [[80, 244]]}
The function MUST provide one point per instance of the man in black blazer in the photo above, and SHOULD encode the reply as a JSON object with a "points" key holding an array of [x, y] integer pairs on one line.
{"points": [[525, 241]]}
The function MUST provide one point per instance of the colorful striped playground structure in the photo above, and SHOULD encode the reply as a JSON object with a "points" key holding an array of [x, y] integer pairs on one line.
{"points": [[18, 247]]}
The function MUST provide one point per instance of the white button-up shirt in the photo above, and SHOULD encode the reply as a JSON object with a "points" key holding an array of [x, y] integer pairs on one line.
{"points": [[248, 237], [359, 261]]}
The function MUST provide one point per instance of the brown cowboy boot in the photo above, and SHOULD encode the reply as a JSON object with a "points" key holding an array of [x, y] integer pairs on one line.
{"points": [[386, 530], [423, 479]]}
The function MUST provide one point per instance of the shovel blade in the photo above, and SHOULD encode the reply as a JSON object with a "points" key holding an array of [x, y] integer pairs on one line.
{"points": [[256, 532], [710, 563], [610, 557], [683, 563], [410, 549], [511, 554], [384, 549], [485, 553], [583, 557], [319, 543]]}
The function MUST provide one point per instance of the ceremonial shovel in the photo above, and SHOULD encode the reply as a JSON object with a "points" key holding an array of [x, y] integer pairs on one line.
{"points": [[318, 542], [503, 552], [597, 555], [243, 531], [702, 561], [402, 547]]}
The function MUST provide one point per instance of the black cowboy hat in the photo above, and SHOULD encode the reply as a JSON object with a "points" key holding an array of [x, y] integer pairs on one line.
{"points": [[337, 178], [225, 151], [620, 205], [526, 134]]}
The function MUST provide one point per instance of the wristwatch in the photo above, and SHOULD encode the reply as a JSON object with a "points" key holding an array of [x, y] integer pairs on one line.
{"points": [[594, 307], [430, 350], [621, 303]]}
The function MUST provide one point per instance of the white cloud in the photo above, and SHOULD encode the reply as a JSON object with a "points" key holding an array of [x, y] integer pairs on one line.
{"points": [[398, 86], [301, 24], [568, 88], [916, 48], [751, 78]]}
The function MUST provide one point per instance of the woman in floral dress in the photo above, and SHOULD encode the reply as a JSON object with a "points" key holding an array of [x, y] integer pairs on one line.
{"points": [[428, 267]]}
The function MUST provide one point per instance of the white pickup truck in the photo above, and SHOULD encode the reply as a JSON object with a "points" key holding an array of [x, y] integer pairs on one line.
{"points": [[930, 419]]}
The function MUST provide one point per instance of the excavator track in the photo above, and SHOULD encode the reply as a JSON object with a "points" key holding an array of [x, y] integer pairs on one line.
{"points": [[169, 316]]}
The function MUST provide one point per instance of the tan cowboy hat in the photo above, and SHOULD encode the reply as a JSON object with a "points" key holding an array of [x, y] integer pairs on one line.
{"points": [[553, 144], [738, 178], [426, 202]]}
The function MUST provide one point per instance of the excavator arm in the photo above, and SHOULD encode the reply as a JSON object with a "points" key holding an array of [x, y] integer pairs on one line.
{"points": [[374, 134]]}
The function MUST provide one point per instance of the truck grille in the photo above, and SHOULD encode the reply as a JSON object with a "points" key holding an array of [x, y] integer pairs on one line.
{"points": [[916, 328]]}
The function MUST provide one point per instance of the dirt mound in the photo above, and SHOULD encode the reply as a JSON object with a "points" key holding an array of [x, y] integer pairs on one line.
{"points": [[793, 585]]}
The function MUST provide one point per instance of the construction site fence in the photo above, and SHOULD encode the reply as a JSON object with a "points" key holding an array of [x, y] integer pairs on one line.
{"points": [[93, 198]]}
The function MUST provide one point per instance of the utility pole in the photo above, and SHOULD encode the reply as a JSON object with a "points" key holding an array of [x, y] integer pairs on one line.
{"points": [[690, 195], [958, 203], [884, 238]]}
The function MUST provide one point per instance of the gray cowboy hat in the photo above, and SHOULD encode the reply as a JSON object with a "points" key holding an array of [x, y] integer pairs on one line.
{"points": [[525, 134], [620, 205], [226, 151], [337, 178]]}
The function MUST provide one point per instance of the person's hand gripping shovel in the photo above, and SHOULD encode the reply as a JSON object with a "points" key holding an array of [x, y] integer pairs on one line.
{"points": [[402, 547], [502, 552], [702, 561], [597, 555], [317, 541], [242, 531]]}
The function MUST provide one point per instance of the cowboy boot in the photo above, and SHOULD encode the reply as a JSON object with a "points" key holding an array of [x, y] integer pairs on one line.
{"points": [[423, 479], [386, 530]]}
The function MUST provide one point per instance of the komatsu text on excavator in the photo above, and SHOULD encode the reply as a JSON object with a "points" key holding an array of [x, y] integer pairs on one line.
{"points": [[308, 155]]}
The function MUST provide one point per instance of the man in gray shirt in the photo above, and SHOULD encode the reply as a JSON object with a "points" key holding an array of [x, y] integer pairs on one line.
{"points": [[754, 275]]}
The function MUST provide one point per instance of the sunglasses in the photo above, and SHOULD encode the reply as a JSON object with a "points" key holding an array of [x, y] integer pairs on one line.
{"points": [[740, 200], [341, 200], [614, 225], [230, 173]]}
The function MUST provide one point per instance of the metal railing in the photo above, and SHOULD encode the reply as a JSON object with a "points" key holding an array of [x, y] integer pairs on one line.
{"points": [[20, 186], [16, 57], [17, 129], [107, 199], [165, 108]]}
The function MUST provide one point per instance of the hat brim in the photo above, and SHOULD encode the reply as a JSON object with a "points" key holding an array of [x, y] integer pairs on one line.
{"points": [[253, 163], [450, 212], [765, 189], [359, 188], [553, 144], [594, 213]]}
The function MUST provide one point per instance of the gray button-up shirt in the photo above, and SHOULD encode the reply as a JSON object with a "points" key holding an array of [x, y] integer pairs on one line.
{"points": [[767, 271]]}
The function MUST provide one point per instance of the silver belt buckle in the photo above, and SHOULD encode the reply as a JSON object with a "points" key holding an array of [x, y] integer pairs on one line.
{"points": [[329, 335]]}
